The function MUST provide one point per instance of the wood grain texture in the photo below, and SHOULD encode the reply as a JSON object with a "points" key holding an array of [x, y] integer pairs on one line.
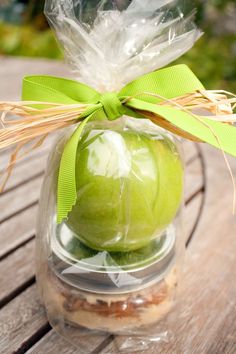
{"points": [[16, 200], [27, 170], [53, 343], [15, 270], [17, 230], [23, 321], [21, 67], [20, 320], [5, 154]]}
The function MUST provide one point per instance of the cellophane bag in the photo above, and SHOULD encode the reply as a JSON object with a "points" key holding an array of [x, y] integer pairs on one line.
{"points": [[112, 267]]}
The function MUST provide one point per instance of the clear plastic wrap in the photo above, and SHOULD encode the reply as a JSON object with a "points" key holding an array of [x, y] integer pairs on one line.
{"points": [[112, 266], [115, 279], [109, 43]]}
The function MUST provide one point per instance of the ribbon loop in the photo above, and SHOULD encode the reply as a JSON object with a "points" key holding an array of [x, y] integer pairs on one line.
{"points": [[112, 106], [149, 96]]}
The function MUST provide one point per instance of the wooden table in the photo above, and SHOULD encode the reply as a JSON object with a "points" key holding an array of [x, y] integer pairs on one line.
{"points": [[206, 322]]}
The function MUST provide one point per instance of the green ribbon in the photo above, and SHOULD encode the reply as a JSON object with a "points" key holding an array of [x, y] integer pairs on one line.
{"points": [[140, 94]]}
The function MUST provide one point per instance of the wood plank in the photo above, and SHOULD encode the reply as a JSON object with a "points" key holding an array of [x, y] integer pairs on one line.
{"points": [[44, 149], [225, 339], [23, 323], [16, 200], [25, 172], [19, 321], [21, 67], [207, 300], [53, 343], [5, 154], [15, 271], [16, 231], [48, 346]]}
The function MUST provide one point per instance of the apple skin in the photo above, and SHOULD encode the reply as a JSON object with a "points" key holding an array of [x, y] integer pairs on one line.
{"points": [[129, 188]]}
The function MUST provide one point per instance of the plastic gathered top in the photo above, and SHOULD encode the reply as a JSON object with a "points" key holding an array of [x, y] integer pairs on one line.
{"points": [[109, 43]]}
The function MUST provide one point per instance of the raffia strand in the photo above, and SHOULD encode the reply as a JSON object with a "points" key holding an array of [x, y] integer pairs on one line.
{"points": [[26, 122]]}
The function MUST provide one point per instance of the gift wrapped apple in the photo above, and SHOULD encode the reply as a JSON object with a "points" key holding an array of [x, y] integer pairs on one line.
{"points": [[129, 188], [109, 239]]}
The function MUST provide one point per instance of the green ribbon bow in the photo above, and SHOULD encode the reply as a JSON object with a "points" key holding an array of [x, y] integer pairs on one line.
{"points": [[140, 94]]}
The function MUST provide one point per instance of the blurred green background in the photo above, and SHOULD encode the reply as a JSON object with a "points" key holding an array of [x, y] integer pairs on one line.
{"points": [[24, 32]]}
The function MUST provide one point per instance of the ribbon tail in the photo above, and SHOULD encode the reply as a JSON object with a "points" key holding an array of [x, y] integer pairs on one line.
{"points": [[66, 189], [217, 134]]}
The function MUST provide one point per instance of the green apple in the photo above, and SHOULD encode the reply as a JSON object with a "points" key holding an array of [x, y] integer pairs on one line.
{"points": [[129, 188]]}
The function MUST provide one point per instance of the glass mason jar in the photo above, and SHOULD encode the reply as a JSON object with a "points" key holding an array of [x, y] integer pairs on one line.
{"points": [[112, 265]]}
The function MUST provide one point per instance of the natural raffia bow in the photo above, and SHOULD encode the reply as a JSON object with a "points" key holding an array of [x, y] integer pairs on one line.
{"points": [[169, 97]]}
